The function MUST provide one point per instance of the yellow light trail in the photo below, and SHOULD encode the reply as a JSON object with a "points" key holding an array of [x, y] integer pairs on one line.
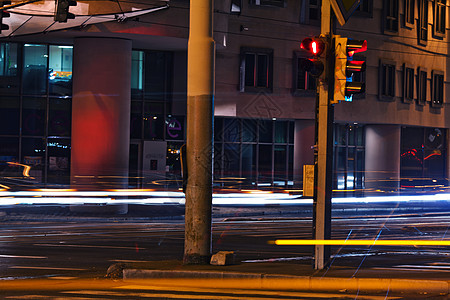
{"points": [[363, 242]]}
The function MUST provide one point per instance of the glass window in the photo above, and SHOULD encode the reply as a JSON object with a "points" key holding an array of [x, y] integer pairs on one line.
{"points": [[391, 16], [265, 164], [249, 130], [9, 149], [248, 161], [157, 72], [60, 70], [9, 115], [364, 9], [256, 70], [35, 70], [408, 84], [303, 80], [231, 154], [8, 59], [439, 12], [265, 131], [281, 131], [421, 86], [235, 7], [231, 130], [136, 120], [33, 116], [58, 161], [60, 117], [437, 97], [137, 74], [278, 3], [423, 21], [279, 166], [409, 13], [33, 153], [387, 80], [175, 128]]}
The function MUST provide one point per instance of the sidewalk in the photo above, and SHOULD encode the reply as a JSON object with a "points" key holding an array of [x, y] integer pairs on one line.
{"points": [[289, 276]]}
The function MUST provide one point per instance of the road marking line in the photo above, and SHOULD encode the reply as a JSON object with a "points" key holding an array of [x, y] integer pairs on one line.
{"points": [[363, 242], [46, 268]]}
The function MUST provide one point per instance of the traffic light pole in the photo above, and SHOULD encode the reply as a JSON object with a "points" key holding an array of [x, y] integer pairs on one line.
{"points": [[199, 139], [323, 152]]}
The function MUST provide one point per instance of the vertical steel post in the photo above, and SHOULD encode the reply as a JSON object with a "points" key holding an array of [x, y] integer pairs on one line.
{"points": [[199, 139], [323, 153]]}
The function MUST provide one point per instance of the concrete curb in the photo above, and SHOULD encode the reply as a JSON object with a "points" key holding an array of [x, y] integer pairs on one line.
{"points": [[234, 280]]}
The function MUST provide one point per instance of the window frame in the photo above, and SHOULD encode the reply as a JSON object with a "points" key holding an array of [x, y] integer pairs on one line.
{"points": [[434, 81], [305, 16], [439, 7], [391, 17], [295, 87], [421, 84], [271, 3], [366, 12], [406, 97], [422, 30], [409, 15], [383, 84], [255, 88]]}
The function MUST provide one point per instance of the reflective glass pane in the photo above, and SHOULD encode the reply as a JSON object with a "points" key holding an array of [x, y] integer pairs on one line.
{"points": [[60, 70], [249, 130], [231, 160], [231, 130], [33, 116], [248, 161], [265, 131], [9, 149], [60, 117], [58, 161], [175, 128], [136, 120], [280, 155], [33, 153], [265, 164], [137, 74], [9, 115], [281, 131], [35, 70]]}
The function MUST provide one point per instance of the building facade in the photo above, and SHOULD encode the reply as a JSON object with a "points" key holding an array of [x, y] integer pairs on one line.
{"points": [[105, 104]]}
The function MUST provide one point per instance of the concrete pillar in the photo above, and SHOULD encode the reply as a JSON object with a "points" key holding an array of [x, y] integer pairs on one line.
{"points": [[101, 113], [303, 151], [382, 161]]}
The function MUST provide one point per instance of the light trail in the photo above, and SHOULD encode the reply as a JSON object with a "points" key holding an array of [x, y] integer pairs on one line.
{"points": [[361, 242]]}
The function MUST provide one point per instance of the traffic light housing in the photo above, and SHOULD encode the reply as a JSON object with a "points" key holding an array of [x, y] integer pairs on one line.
{"points": [[4, 14], [345, 66], [316, 47], [62, 10]]}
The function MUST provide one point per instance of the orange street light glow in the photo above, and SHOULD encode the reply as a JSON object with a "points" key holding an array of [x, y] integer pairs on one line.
{"points": [[363, 242]]}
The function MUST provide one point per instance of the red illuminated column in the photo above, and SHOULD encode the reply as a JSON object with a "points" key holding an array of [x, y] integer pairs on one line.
{"points": [[303, 147], [101, 112], [382, 162]]}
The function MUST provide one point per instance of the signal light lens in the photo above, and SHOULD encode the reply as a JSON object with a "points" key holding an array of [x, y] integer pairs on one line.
{"points": [[313, 46]]}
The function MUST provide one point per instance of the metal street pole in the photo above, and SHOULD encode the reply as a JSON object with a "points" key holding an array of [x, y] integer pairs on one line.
{"points": [[323, 153], [199, 139]]}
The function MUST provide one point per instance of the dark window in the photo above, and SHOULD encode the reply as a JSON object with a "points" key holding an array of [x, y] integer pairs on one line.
{"points": [[423, 21], [235, 7], [359, 77], [304, 83], [364, 9], [439, 12], [409, 13], [387, 80], [421, 86], [408, 83], [256, 70], [278, 3], [437, 96], [390, 16], [310, 12]]}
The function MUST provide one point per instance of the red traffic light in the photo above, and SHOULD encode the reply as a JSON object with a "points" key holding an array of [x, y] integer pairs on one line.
{"points": [[315, 46]]}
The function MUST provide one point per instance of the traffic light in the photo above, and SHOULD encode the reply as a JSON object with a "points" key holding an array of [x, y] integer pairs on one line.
{"points": [[345, 66], [315, 46], [62, 10], [4, 14]]}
